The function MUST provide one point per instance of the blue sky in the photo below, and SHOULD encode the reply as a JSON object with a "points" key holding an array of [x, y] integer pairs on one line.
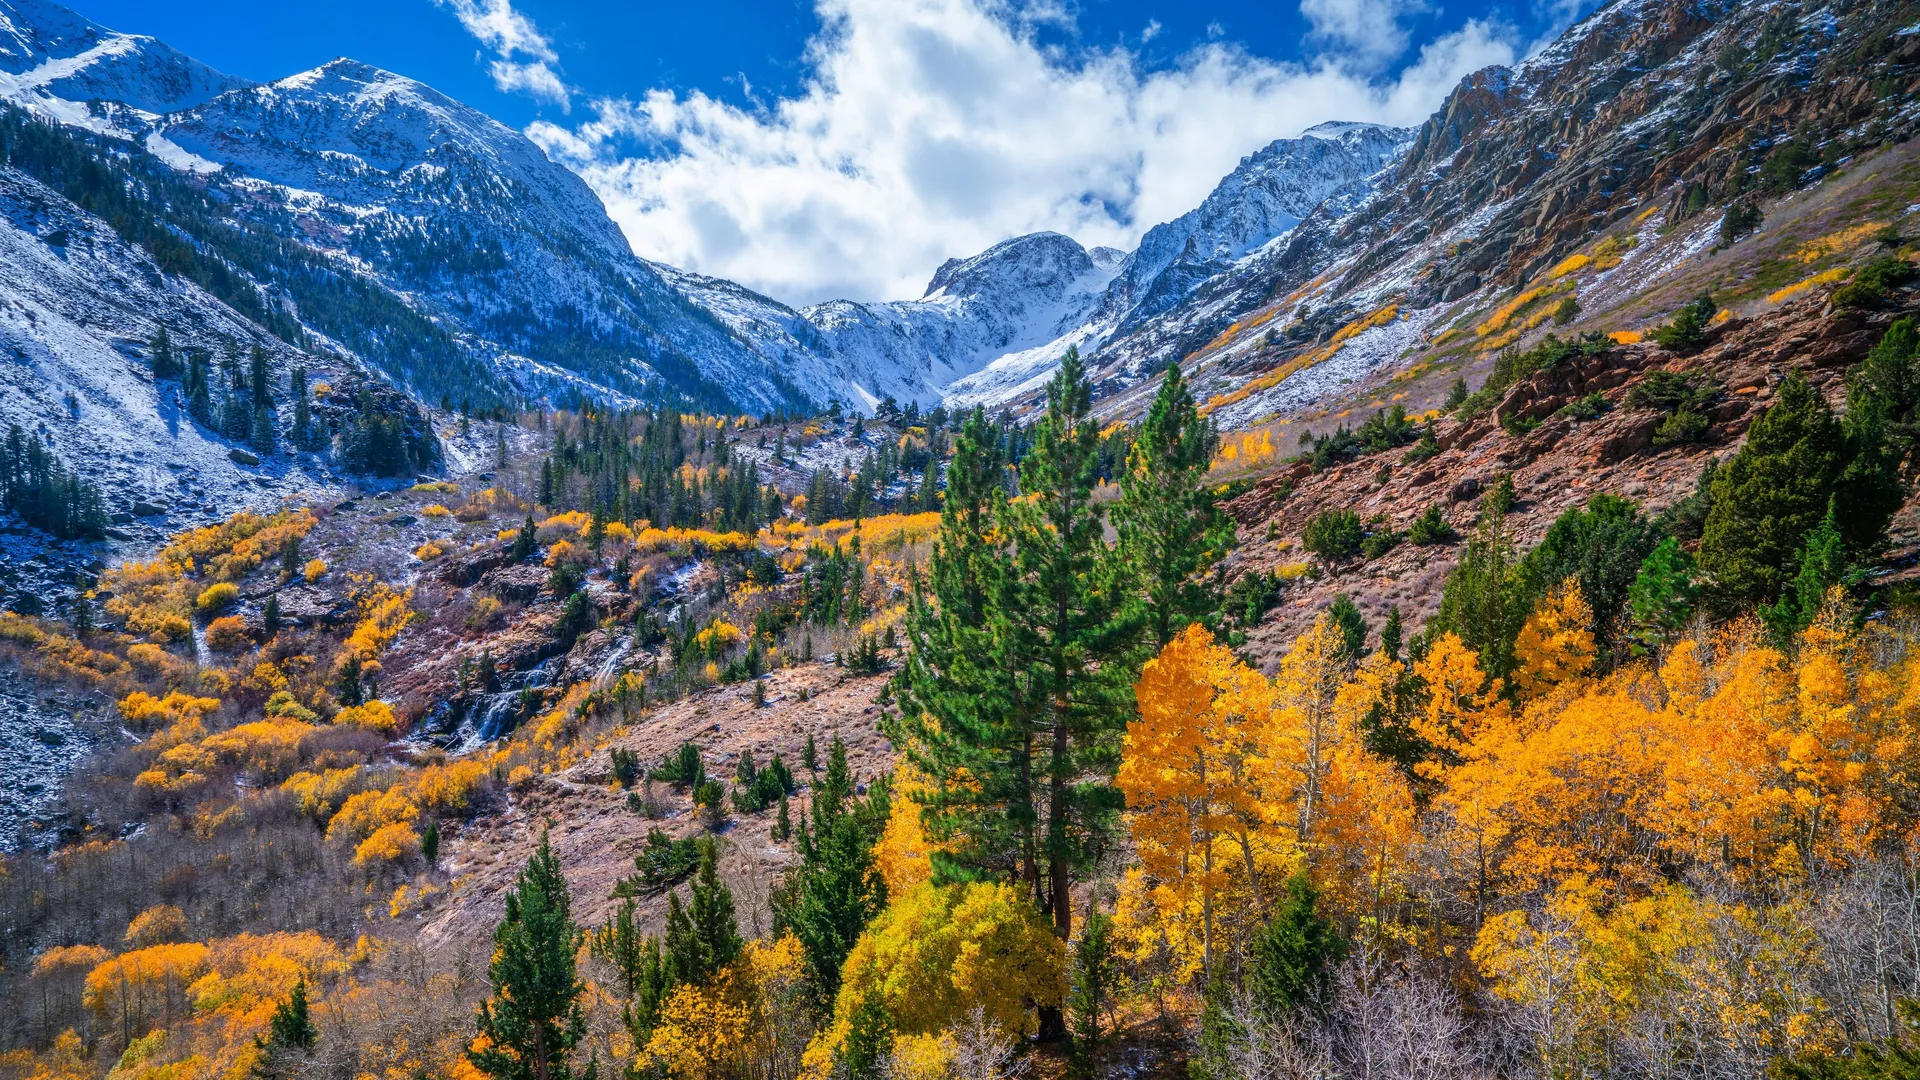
{"points": [[824, 148]]}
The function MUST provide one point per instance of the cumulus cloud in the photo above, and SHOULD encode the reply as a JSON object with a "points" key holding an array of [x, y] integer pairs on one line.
{"points": [[524, 60], [935, 128], [1369, 29]]}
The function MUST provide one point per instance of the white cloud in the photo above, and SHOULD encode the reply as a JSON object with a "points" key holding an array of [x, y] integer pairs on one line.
{"points": [[525, 60], [1369, 29], [935, 128]]}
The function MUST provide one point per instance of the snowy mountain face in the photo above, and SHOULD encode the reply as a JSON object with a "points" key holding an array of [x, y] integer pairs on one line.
{"points": [[449, 206], [411, 231], [1264, 198], [52, 58], [1017, 295], [78, 306]]}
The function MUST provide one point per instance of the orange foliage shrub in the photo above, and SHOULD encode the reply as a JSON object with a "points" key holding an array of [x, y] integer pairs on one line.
{"points": [[449, 789], [391, 843], [157, 925], [363, 814], [383, 614], [228, 634], [319, 794], [144, 712], [375, 716]]}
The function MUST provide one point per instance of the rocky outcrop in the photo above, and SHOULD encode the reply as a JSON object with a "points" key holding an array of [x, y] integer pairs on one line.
{"points": [[1557, 461]]}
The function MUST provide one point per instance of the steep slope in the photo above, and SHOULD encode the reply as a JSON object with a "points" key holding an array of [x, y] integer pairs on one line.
{"points": [[58, 61], [1328, 166], [78, 306], [1648, 117], [451, 207]]}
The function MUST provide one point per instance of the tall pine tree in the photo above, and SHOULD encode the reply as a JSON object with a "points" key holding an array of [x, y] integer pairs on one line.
{"points": [[1170, 531], [958, 684], [533, 1020], [1072, 636], [1770, 496], [836, 890]]}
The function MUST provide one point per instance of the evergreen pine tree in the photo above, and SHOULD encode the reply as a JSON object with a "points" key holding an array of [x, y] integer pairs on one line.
{"points": [[958, 683], [1601, 545], [1072, 633], [533, 1020], [1095, 976], [1485, 601], [1352, 626], [165, 364], [198, 389], [259, 382], [836, 890], [1294, 955], [303, 435], [1822, 564], [702, 937], [1664, 593], [1881, 422], [430, 843], [643, 971], [1392, 633], [290, 1031], [347, 684], [261, 432], [525, 545], [1170, 531], [1770, 496], [869, 1041]]}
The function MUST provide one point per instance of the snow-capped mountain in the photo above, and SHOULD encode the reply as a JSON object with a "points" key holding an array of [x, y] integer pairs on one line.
{"points": [[1018, 295], [450, 207], [444, 248], [1263, 198], [55, 59]]}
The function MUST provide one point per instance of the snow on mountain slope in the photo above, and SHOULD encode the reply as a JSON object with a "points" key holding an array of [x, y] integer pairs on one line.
{"points": [[1017, 295], [458, 211], [1263, 198], [55, 60], [1266, 195], [77, 308]]}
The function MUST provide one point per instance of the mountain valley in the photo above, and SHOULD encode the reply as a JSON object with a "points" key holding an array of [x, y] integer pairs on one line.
{"points": [[1443, 606]]}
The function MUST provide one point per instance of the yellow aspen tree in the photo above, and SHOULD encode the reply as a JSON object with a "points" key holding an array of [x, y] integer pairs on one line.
{"points": [[1192, 769], [1723, 799], [1364, 838], [1555, 647], [1460, 697], [1306, 732]]}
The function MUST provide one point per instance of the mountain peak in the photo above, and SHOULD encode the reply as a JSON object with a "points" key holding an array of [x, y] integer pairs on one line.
{"points": [[1049, 253]]}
